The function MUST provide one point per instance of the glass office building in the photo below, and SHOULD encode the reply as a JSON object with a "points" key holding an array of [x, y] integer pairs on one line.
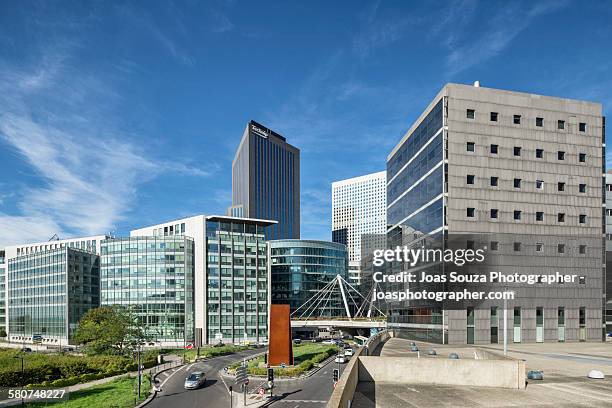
{"points": [[266, 181], [153, 277], [49, 292], [3, 292], [237, 280], [301, 268]]}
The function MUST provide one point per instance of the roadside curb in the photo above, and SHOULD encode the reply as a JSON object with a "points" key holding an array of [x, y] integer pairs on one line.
{"points": [[308, 374], [153, 391]]}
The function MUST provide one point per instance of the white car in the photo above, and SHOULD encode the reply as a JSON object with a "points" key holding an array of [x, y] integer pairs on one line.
{"points": [[348, 352], [340, 359], [329, 341], [195, 380]]}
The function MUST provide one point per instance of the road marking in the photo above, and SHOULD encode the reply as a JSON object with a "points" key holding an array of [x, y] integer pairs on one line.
{"points": [[170, 376], [582, 393]]}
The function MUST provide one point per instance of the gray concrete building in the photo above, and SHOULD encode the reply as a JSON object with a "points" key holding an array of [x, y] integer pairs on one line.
{"points": [[609, 252], [523, 174], [266, 181]]}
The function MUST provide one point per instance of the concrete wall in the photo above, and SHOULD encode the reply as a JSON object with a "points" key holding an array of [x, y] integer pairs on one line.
{"points": [[506, 373], [345, 389]]}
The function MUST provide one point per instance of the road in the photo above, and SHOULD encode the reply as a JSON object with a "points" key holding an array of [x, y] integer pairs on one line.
{"points": [[313, 391], [213, 394]]}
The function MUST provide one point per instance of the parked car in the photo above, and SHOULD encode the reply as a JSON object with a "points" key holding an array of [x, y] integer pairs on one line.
{"points": [[26, 349], [348, 352], [195, 380], [297, 341], [340, 359], [329, 341], [67, 349]]}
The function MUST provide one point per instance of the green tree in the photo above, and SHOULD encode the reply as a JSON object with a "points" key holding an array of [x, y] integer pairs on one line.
{"points": [[109, 330]]}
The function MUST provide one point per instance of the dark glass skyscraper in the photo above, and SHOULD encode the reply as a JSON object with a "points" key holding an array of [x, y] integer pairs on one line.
{"points": [[266, 181]]}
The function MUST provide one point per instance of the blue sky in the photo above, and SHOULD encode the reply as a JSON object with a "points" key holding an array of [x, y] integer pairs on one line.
{"points": [[116, 115]]}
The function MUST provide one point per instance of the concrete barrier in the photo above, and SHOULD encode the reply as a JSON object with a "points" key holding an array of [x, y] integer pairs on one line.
{"points": [[502, 373], [345, 389]]}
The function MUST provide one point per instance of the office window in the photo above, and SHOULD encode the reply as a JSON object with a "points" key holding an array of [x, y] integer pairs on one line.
{"points": [[540, 184], [494, 181], [517, 247], [582, 249], [539, 153], [561, 217], [517, 215], [517, 183], [470, 146], [581, 280], [539, 247], [582, 188], [470, 179], [560, 124], [561, 248], [469, 244], [540, 216], [517, 151], [539, 122], [493, 116], [560, 186], [582, 157], [560, 155], [494, 245], [582, 218], [494, 212], [517, 119], [471, 113], [582, 127], [471, 211], [494, 149]]}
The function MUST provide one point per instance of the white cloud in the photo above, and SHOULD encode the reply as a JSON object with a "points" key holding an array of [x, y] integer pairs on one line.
{"points": [[468, 50], [87, 171]]}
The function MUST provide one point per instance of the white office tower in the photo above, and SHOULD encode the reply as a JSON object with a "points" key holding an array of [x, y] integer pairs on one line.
{"points": [[359, 207]]}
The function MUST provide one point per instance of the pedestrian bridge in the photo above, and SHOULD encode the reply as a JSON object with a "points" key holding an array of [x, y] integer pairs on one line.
{"points": [[340, 323], [338, 304]]}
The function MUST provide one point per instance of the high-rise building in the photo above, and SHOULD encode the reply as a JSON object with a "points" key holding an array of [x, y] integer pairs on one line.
{"points": [[153, 278], [231, 275], [266, 181], [359, 207], [507, 164], [301, 268], [3, 268], [48, 293], [609, 252]]}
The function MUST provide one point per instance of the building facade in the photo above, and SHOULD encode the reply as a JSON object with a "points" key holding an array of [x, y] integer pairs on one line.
{"points": [[301, 268], [526, 171], [231, 275], [153, 277], [359, 207], [266, 181], [3, 273], [608, 252], [48, 293]]}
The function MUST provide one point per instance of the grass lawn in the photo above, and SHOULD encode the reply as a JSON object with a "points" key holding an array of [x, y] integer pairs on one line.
{"points": [[121, 393], [305, 357], [210, 351]]}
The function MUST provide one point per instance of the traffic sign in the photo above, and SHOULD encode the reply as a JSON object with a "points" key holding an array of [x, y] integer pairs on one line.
{"points": [[283, 365], [241, 375], [261, 391]]}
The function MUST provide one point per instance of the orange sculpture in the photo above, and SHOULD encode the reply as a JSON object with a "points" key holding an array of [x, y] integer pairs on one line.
{"points": [[281, 346]]}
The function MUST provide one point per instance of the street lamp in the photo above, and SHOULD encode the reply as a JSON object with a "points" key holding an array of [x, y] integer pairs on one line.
{"points": [[22, 378]]}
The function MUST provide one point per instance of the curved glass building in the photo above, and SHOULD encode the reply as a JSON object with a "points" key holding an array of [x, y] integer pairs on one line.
{"points": [[301, 268]]}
